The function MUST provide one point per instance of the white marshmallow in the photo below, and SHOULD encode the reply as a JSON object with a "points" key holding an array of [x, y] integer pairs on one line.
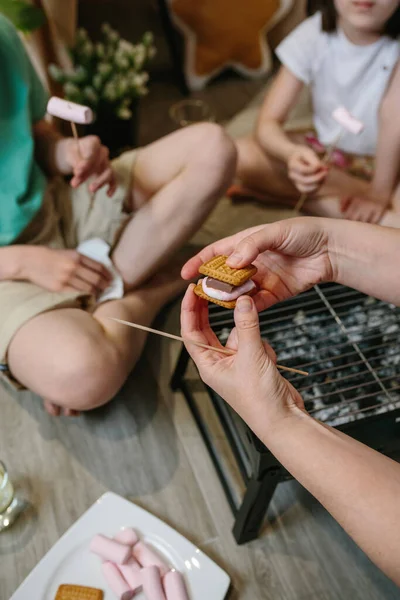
{"points": [[69, 111], [225, 296], [346, 120]]}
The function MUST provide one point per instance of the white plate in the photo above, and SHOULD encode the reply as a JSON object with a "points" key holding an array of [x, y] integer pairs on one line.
{"points": [[69, 561]]}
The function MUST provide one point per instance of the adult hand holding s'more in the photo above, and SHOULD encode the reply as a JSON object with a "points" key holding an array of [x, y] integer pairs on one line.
{"points": [[291, 256]]}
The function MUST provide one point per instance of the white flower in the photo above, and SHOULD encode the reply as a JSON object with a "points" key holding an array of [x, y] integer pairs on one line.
{"points": [[105, 28], [126, 47], [87, 49], [121, 61], [100, 50], [79, 75], [110, 91], [82, 35], [124, 113], [148, 38], [97, 81], [56, 73], [140, 80], [90, 94], [113, 36], [140, 56], [151, 52], [104, 69]]}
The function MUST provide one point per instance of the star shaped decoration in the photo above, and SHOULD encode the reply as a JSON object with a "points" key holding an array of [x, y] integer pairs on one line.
{"points": [[222, 33]]}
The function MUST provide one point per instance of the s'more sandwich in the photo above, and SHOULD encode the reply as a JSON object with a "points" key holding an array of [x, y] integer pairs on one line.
{"points": [[223, 285]]}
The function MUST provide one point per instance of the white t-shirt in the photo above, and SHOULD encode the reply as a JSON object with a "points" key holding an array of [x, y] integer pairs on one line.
{"points": [[341, 73]]}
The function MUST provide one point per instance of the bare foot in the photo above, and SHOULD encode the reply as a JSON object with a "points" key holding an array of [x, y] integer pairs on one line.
{"points": [[55, 411]]}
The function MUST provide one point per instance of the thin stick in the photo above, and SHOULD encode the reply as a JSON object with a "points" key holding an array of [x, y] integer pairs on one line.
{"points": [[326, 160], [181, 339]]}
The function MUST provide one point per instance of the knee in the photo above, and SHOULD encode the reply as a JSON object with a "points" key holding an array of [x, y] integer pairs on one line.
{"points": [[90, 376], [216, 153]]}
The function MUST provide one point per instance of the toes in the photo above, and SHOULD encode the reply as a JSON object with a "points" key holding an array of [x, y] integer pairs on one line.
{"points": [[52, 409]]}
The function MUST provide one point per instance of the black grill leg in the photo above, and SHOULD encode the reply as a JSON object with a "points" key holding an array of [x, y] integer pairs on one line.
{"points": [[252, 511], [180, 370]]}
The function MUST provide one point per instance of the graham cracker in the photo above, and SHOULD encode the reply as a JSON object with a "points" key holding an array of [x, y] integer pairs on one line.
{"points": [[218, 269], [78, 592]]}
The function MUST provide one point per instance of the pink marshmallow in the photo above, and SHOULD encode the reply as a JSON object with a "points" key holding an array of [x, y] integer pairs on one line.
{"points": [[116, 582], [110, 549], [174, 586], [346, 120], [69, 111], [127, 536], [152, 585], [131, 572], [149, 558]]}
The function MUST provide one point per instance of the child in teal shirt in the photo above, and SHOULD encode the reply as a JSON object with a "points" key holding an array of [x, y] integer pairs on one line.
{"points": [[147, 204]]}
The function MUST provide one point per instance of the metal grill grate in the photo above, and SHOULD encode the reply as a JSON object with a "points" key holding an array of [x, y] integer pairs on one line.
{"points": [[348, 342]]}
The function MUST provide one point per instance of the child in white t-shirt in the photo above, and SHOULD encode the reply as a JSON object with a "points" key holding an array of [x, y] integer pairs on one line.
{"points": [[348, 54]]}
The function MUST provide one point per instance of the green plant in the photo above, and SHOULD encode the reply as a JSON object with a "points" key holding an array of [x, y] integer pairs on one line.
{"points": [[24, 16], [107, 75]]}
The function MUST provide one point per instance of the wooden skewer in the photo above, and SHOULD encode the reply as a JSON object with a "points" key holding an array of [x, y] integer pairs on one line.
{"points": [[326, 160], [171, 336]]}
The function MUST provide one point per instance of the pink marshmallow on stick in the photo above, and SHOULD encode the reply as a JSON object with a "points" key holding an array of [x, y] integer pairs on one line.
{"points": [[116, 582], [72, 112], [174, 586], [347, 122], [152, 584]]}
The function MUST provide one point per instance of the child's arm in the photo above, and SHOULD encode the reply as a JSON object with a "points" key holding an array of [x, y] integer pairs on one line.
{"points": [[370, 207], [63, 156], [56, 270], [304, 166], [387, 171]]}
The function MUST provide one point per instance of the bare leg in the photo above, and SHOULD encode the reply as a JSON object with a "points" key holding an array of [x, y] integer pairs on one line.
{"points": [[94, 354], [268, 178], [177, 182]]}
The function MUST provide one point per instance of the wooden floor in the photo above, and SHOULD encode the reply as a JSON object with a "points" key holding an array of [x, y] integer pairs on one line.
{"points": [[145, 444]]}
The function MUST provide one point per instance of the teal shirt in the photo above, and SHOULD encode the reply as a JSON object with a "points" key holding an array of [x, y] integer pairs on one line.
{"points": [[22, 103]]}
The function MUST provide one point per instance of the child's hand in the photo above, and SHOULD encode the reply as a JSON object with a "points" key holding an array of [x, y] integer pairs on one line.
{"points": [[357, 208], [306, 170], [64, 271], [90, 158]]}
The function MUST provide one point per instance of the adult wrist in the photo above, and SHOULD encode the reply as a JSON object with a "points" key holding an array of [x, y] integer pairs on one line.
{"points": [[272, 432]]}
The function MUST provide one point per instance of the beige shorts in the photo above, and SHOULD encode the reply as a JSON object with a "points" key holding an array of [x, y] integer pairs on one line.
{"points": [[64, 221]]}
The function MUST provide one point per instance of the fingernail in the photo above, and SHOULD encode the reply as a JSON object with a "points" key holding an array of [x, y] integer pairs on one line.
{"points": [[244, 304], [235, 258]]}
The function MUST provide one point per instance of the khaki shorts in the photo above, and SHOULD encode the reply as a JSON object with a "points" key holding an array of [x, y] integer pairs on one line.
{"points": [[64, 221]]}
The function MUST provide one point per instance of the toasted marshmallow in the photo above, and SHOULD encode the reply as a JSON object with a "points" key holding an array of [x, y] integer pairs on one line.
{"points": [[247, 287]]}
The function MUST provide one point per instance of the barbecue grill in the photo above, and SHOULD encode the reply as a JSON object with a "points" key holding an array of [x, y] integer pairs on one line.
{"points": [[350, 345]]}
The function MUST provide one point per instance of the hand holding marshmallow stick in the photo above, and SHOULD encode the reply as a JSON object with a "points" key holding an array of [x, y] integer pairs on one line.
{"points": [[221, 350], [348, 123], [88, 150]]}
